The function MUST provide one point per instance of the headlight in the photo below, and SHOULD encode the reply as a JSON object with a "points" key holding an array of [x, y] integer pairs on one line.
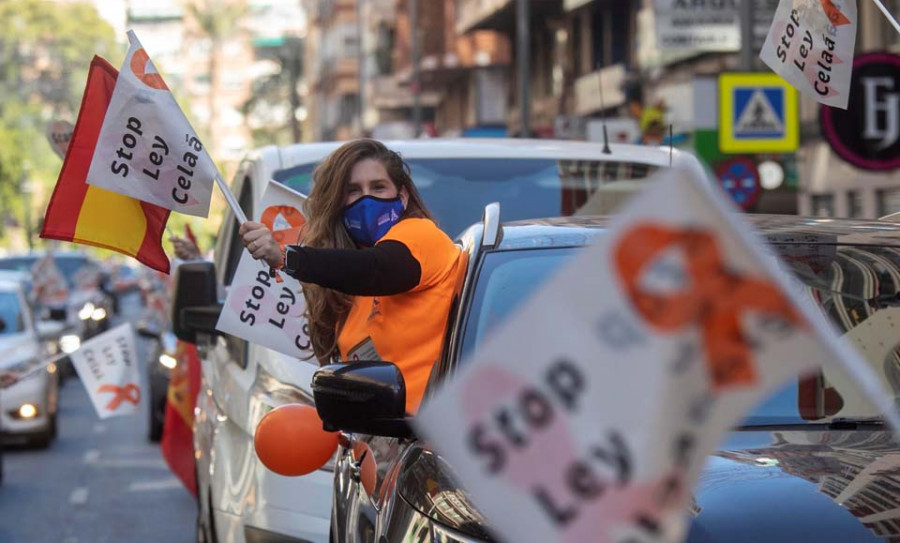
{"points": [[27, 411], [69, 343], [86, 311], [98, 314], [168, 361]]}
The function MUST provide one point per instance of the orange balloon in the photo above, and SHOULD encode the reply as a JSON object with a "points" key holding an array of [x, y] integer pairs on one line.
{"points": [[290, 440]]}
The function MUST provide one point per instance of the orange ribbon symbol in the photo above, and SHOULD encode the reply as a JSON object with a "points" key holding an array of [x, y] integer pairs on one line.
{"points": [[130, 393], [293, 217], [138, 65], [715, 297], [834, 14]]}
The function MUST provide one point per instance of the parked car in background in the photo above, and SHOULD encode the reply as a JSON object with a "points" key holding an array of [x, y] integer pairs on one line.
{"points": [[814, 462], [30, 390], [241, 500]]}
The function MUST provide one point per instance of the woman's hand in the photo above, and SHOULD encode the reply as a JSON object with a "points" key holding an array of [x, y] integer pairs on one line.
{"points": [[184, 249], [258, 239]]}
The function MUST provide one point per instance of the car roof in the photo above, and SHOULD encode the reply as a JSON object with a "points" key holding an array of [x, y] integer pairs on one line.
{"points": [[580, 230], [303, 153]]}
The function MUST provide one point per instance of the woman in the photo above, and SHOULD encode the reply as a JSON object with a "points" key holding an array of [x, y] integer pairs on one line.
{"points": [[378, 274]]}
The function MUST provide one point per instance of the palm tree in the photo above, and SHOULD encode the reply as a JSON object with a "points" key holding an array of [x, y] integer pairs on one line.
{"points": [[216, 20]]}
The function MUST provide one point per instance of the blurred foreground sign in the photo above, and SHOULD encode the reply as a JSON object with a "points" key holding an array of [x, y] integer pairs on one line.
{"points": [[588, 416], [810, 44], [259, 308], [107, 366]]}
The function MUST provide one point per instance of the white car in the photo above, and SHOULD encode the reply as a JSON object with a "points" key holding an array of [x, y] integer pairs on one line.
{"points": [[240, 500], [30, 390]]}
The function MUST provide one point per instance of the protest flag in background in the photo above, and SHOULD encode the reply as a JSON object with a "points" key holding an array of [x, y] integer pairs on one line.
{"points": [[146, 148], [82, 213]]}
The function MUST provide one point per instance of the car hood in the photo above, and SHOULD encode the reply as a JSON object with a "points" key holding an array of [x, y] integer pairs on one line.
{"points": [[799, 485], [773, 486], [15, 348]]}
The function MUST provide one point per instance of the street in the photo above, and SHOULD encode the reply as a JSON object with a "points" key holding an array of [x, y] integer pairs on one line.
{"points": [[99, 481]]}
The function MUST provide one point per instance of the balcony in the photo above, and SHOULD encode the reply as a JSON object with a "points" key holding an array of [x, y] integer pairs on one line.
{"points": [[588, 90], [499, 15]]}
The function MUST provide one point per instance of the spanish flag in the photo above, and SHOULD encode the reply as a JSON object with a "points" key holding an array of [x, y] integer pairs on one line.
{"points": [[87, 214]]}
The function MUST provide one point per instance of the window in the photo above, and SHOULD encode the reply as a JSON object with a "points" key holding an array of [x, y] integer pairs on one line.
{"points": [[11, 317], [457, 189], [235, 247], [888, 201], [854, 204], [822, 205]]}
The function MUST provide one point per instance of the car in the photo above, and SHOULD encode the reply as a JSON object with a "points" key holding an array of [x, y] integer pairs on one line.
{"points": [[161, 360], [79, 301], [813, 462], [30, 394], [240, 500]]}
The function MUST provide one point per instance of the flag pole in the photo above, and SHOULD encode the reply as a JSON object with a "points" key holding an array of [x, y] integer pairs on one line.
{"points": [[887, 14], [232, 201]]}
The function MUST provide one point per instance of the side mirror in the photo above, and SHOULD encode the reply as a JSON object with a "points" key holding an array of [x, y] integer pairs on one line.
{"points": [[366, 397], [196, 306]]}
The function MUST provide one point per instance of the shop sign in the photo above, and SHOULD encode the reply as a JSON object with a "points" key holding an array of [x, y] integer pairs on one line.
{"points": [[867, 133], [707, 26]]}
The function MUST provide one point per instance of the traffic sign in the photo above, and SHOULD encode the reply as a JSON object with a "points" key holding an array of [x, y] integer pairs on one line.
{"points": [[739, 177], [757, 114]]}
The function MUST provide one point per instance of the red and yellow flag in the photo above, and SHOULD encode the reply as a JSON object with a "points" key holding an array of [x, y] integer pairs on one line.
{"points": [[177, 443], [82, 213]]}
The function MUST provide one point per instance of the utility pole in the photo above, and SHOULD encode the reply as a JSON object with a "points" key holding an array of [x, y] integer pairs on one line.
{"points": [[360, 6], [523, 53], [293, 56], [746, 20], [416, 79]]}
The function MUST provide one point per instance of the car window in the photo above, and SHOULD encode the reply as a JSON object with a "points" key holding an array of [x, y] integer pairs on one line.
{"points": [[11, 314], [235, 246], [456, 190], [849, 284]]}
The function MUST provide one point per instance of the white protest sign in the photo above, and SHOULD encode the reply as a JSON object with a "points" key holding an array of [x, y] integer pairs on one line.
{"points": [[147, 149], [588, 415], [107, 366], [258, 308], [810, 44]]}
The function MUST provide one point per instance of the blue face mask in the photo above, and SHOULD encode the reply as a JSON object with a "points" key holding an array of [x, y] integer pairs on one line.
{"points": [[368, 219]]}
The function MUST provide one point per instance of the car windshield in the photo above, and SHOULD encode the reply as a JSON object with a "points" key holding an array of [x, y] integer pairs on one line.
{"points": [[73, 267], [850, 284], [456, 190], [12, 320]]}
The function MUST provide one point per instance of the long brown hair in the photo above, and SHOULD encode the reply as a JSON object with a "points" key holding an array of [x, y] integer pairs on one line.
{"points": [[327, 308]]}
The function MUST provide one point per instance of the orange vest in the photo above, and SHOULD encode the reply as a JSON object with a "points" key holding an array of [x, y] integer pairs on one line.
{"points": [[408, 328]]}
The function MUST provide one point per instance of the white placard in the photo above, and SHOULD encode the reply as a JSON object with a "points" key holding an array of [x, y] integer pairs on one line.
{"points": [[259, 308], [697, 26], [810, 44], [588, 415], [147, 149], [107, 367]]}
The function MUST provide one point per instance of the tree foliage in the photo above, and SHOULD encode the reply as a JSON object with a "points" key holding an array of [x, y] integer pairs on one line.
{"points": [[45, 50]]}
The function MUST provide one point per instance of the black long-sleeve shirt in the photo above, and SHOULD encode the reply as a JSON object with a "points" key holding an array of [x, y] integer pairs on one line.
{"points": [[387, 268]]}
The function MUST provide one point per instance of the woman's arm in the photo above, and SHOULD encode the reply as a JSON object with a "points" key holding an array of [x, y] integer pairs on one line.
{"points": [[385, 269]]}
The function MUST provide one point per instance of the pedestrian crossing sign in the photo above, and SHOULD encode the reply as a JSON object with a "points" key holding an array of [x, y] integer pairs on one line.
{"points": [[757, 114]]}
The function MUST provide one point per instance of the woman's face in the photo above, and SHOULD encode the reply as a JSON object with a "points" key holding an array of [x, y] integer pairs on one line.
{"points": [[370, 178]]}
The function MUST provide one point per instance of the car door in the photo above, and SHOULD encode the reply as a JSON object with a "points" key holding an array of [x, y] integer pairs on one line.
{"points": [[365, 485], [229, 372]]}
